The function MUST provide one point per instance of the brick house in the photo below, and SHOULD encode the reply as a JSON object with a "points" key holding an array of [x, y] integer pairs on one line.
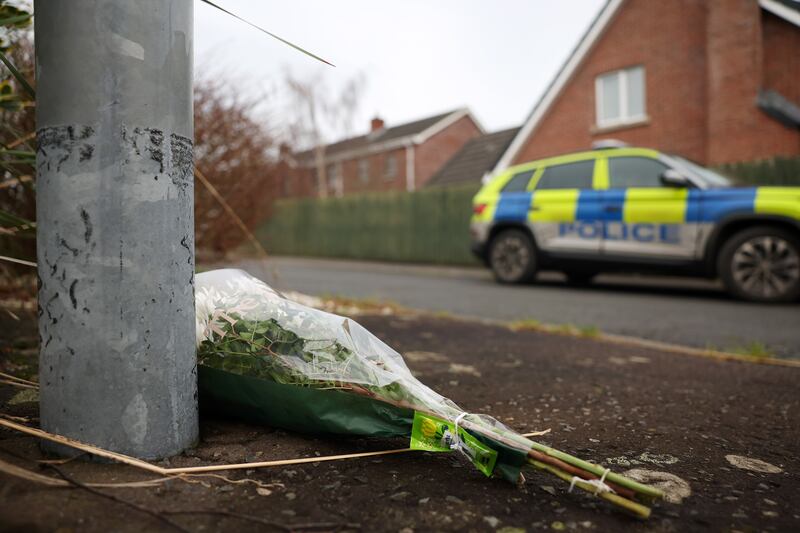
{"points": [[402, 157], [474, 160], [717, 81]]}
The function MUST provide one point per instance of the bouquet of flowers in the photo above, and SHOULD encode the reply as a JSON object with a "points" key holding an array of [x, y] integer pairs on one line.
{"points": [[268, 359]]}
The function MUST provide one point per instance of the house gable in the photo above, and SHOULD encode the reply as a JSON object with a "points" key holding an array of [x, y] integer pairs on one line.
{"points": [[563, 76], [703, 64]]}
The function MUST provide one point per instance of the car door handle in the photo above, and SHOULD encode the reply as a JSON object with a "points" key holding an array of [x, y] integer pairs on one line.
{"points": [[612, 209], [534, 208]]}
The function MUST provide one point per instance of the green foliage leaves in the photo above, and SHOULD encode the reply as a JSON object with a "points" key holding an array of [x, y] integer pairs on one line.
{"points": [[266, 350], [263, 349], [9, 100], [11, 18], [778, 171], [17, 159]]}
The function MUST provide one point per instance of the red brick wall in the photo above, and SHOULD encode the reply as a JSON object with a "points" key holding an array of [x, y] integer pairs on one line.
{"points": [[781, 42], [738, 130], [702, 64], [436, 151], [296, 181], [378, 180], [302, 182]]}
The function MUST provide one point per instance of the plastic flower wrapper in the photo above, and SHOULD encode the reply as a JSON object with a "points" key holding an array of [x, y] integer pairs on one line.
{"points": [[268, 359]]}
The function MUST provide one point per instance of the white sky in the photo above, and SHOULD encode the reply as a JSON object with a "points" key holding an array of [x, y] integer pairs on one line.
{"points": [[420, 57]]}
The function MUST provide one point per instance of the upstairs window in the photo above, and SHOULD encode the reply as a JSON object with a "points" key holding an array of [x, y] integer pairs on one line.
{"points": [[620, 97], [363, 170], [390, 167], [335, 179], [576, 175]]}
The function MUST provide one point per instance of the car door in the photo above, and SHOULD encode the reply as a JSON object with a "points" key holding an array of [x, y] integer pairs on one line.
{"points": [[563, 209], [646, 218], [514, 199]]}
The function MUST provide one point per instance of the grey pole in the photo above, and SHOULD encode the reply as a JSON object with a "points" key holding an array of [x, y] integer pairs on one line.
{"points": [[116, 223]]}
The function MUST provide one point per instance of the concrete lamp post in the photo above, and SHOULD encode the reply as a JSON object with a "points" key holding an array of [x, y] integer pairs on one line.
{"points": [[116, 223]]}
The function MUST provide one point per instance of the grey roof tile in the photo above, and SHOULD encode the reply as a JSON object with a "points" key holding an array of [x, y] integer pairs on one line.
{"points": [[381, 136], [474, 159]]}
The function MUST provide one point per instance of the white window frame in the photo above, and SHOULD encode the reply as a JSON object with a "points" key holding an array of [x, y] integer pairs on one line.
{"points": [[624, 117], [335, 179], [390, 169], [363, 170]]}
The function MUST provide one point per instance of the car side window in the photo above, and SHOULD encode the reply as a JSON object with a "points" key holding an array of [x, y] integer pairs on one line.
{"points": [[625, 172], [519, 183], [567, 176]]}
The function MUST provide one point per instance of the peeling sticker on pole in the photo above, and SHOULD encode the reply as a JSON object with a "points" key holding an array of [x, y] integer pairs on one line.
{"points": [[126, 47]]}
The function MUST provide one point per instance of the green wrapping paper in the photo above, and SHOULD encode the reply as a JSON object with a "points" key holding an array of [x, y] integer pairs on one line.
{"points": [[308, 410], [301, 409]]}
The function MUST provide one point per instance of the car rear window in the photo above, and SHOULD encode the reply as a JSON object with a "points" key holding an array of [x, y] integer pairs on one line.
{"points": [[519, 182], [567, 176]]}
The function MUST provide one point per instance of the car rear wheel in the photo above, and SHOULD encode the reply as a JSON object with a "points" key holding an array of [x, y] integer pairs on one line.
{"points": [[761, 264], [512, 257]]}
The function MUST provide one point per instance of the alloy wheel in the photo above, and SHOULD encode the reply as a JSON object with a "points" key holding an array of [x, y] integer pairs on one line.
{"points": [[511, 257], [766, 266]]}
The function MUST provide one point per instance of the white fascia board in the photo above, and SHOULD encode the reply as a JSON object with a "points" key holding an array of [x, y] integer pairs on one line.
{"points": [[776, 8], [558, 84], [400, 142], [445, 123]]}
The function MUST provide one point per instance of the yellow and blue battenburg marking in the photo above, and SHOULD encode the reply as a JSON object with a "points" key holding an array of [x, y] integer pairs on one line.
{"points": [[714, 204], [657, 205], [513, 206]]}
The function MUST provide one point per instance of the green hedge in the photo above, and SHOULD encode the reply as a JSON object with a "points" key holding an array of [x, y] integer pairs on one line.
{"points": [[777, 171], [427, 226]]}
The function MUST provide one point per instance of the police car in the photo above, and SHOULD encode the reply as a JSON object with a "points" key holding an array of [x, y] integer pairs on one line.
{"points": [[636, 209]]}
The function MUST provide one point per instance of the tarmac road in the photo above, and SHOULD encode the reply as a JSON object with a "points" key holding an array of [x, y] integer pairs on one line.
{"points": [[682, 311]]}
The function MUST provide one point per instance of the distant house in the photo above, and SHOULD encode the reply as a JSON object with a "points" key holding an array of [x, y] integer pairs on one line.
{"points": [[402, 157], [717, 81], [475, 159]]}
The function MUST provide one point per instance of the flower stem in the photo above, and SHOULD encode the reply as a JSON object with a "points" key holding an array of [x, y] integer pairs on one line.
{"points": [[635, 508]]}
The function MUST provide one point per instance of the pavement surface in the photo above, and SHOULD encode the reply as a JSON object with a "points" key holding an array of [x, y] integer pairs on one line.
{"points": [[683, 311], [719, 436]]}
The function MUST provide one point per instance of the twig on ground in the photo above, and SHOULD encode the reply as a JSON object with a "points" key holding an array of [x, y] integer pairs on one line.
{"points": [[257, 519], [17, 384], [22, 419], [190, 478], [19, 380], [154, 514], [94, 450], [60, 461], [23, 473]]}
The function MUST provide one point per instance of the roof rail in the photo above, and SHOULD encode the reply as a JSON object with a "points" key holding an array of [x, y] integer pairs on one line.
{"points": [[607, 144]]}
